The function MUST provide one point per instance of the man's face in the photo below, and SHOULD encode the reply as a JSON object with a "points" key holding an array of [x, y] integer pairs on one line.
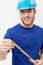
{"points": [[27, 16]]}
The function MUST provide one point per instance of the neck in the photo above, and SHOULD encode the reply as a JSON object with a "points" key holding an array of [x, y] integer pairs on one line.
{"points": [[30, 26]]}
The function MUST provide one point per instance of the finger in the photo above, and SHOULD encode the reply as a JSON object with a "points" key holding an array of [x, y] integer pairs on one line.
{"points": [[6, 49], [7, 43], [7, 40], [39, 64]]}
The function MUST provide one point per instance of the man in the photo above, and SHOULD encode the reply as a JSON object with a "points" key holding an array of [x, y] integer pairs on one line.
{"points": [[26, 34]]}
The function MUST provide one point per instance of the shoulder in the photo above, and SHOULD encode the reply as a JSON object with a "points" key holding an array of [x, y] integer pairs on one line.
{"points": [[38, 28], [14, 28]]}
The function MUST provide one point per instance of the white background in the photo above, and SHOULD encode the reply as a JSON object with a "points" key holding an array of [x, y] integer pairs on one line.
{"points": [[9, 17]]}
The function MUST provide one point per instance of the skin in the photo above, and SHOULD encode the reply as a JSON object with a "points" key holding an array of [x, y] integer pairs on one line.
{"points": [[6, 45], [27, 17]]}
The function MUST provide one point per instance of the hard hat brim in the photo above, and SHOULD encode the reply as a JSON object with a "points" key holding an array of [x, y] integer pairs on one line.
{"points": [[26, 8]]}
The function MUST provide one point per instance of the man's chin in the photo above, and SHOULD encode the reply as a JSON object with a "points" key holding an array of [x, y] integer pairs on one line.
{"points": [[27, 24]]}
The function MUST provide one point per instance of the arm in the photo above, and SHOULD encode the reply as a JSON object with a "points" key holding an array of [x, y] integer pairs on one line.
{"points": [[5, 46], [41, 54], [3, 51], [40, 61]]}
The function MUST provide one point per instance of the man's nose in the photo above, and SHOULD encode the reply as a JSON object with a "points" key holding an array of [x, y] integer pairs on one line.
{"points": [[26, 14]]}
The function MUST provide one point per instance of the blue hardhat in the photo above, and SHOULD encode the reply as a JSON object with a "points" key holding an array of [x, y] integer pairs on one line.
{"points": [[26, 4]]}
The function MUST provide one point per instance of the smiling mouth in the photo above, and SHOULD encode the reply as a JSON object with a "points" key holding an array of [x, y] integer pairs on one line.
{"points": [[27, 19]]}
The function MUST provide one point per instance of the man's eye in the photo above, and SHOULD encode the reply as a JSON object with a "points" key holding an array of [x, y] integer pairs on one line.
{"points": [[22, 12]]}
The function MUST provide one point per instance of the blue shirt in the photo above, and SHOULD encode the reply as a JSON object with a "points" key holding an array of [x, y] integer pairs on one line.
{"points": [[29, 39]]}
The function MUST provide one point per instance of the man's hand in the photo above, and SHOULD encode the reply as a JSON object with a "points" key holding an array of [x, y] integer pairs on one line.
{"points": [[39, 62], [6, 45]]}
